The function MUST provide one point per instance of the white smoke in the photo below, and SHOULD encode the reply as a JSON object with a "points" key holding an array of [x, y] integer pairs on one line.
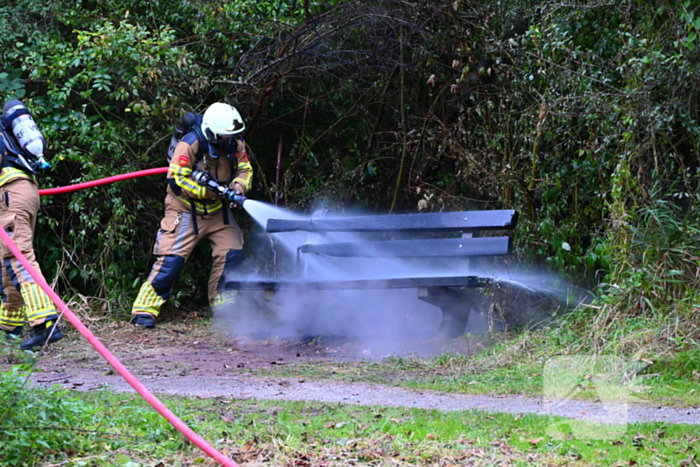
{"points": [[381, 318]]}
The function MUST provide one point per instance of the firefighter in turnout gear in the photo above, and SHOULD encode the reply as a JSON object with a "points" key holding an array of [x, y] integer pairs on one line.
{"points": [[21, 159], [213, 149]]}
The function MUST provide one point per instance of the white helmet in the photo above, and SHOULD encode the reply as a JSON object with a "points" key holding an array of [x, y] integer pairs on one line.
{"points": [[221, 120]]}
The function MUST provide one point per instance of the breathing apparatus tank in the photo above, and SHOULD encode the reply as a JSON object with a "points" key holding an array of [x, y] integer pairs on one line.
{"points": [[186, 123], [28, 153]]}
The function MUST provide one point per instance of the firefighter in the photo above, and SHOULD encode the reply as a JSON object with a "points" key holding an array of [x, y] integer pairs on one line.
{"points": [[214, 147], [22, 158]]}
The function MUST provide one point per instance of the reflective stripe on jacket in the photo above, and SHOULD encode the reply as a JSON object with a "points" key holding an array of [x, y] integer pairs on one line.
{"points": [[8, 174]]}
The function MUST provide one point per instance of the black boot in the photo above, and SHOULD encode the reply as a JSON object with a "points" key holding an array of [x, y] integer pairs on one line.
{"points": [[44, 333], [144, 320]]}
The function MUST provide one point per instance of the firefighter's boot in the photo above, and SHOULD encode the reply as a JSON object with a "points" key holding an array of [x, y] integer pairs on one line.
{"points": [[144, 320], [44, 333]]}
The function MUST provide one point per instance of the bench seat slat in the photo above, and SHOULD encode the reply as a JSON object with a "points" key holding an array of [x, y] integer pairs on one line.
{"points": [[424, 222], [358, 284], [425, 248]]}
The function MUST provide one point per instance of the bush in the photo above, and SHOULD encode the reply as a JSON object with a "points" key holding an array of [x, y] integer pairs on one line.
{"points": [[37, 423]]}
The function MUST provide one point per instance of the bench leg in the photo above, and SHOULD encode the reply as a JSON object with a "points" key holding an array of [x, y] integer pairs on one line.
{"points": [[454, 321], [455, 304], [453, 328]]}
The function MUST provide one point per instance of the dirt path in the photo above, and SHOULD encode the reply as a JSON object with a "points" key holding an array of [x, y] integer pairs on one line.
{"points": [[181, 359]]}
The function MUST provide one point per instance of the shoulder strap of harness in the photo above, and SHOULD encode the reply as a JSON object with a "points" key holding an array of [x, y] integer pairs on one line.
{"points": [[11, 153], [197, 130]]}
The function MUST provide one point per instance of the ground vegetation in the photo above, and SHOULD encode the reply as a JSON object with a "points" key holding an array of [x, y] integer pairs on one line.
{"points": [[326, 401]]}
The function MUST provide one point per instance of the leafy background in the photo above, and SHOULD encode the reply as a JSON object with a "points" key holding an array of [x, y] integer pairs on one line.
{"points": [[583, 116]]}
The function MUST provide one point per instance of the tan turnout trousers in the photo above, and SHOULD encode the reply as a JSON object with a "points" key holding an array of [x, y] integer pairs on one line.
{"points": [[22, 296], [175, 242]]}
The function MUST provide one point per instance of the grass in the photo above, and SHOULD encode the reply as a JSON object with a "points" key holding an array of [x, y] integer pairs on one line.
{"points": [[106, 429], [296, 434], [523, 364]]}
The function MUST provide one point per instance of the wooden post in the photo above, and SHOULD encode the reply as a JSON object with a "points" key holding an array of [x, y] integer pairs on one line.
{"points": [[277, 172]]}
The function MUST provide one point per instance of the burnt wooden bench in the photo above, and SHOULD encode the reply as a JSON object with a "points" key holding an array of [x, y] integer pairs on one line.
{"points": [[453, 236]]}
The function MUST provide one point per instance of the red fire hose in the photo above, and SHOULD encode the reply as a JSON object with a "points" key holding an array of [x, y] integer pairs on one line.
{"points": [[102, 181], [94, 341]]}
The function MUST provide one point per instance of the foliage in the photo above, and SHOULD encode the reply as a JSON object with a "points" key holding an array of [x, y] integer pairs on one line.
{"points": [[289, 433], [55, 424], [37, 421], [583, 118], [105, 85], [11, 85], [75, 432]]}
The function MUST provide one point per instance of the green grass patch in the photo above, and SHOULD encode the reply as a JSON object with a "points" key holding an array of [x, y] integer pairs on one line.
{"points": [[52, 425], [98, 428], [279, 433]]}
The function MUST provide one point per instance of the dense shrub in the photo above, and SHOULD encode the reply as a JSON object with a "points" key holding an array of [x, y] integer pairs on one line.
{"points": [[582, 117], [36, 423]]}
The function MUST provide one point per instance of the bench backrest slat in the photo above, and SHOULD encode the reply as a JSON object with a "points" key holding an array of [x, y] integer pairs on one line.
{"points": [[465, 221], [426, 248]]}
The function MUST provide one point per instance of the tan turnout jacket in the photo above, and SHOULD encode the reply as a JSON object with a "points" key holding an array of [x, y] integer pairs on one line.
{"points": [[180, 170]]}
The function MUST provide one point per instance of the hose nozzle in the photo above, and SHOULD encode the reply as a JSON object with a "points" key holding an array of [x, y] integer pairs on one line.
{"points": [[205, 179], [237, 199]]}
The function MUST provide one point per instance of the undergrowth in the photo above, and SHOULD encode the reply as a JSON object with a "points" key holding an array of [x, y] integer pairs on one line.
{"points": [[55, 427], [37, 421]]}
